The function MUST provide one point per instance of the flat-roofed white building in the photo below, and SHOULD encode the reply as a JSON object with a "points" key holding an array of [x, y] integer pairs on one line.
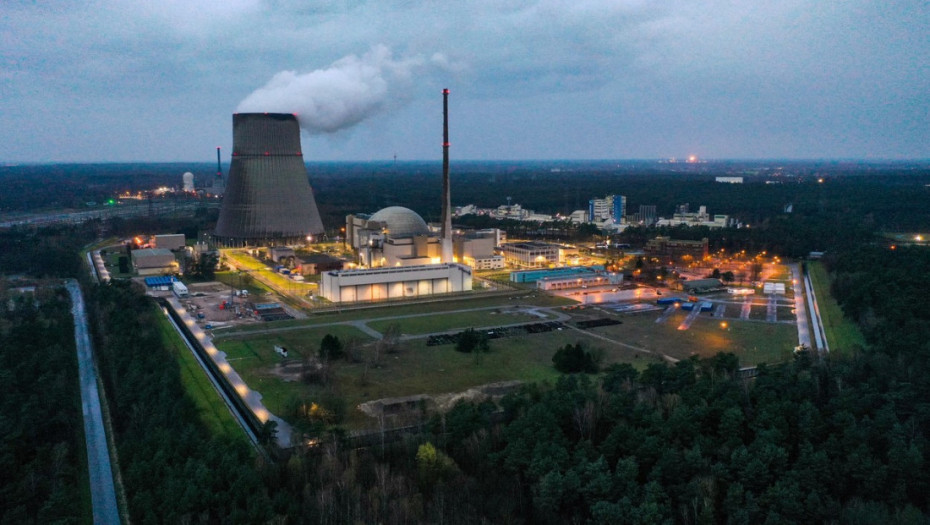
{"points": [[531, 254], [379, 284]]}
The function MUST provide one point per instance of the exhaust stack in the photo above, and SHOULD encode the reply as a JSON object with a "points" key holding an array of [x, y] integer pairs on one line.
{"points": [[446, 193]]}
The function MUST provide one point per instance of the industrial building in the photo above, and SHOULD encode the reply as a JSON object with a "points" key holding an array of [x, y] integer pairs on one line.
{"points": [[668, 249], [531, 254], [529, 276], [379, 284], [268, 200], [610, 208], [683, 217], [646, 214], [476, 249], [581, 280], [393, 236], [173, 241], [154, 261], [700, 285]]}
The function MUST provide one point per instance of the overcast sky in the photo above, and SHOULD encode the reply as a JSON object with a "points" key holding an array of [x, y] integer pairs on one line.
{"points": [[86, 80]]}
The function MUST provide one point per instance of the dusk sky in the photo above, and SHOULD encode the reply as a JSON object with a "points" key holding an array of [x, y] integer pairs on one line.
{"points": [[86, 81]]}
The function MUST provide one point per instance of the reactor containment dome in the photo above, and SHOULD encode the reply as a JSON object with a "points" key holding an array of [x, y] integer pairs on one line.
{"points": [[400, 222], [268, 199]]}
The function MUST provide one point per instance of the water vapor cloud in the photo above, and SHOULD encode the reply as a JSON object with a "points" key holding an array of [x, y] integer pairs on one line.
{"points": [[343, 94]]}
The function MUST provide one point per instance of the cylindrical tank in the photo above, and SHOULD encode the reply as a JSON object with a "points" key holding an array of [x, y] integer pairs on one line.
{"points": [[188, 179], [268, 199]]}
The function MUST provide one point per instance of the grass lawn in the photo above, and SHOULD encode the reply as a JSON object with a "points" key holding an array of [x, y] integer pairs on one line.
{"points": [[400, 309], [254, 359], [421, 369], [210, 406], [842, 334], [752, 342], [233, 279], [418, 369], [442, 322]]}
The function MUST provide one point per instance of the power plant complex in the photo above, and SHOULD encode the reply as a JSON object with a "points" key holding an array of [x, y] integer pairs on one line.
{"points": [[268, 200]]}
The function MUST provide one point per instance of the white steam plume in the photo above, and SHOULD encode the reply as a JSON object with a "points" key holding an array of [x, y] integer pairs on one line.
{"points": [[342, 95]]}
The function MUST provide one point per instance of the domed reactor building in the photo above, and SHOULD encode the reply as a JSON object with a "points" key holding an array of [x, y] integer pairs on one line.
{"points": [[268, 199]]}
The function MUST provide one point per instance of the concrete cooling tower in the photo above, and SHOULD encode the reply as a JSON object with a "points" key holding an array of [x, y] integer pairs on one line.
{"points": [[268, 199]]}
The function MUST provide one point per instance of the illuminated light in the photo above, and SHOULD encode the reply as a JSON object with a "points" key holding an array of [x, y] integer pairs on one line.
{"points": [[820, 180], [918, 238], [242, 390], [893, 247], [723, 324], [262, 414]]}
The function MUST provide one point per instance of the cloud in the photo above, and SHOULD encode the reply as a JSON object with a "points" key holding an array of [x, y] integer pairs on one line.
{"points": [[347, 92]]}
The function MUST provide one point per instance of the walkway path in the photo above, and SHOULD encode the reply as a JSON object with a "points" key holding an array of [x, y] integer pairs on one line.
{"points": [[102, 491], [692, 315]]}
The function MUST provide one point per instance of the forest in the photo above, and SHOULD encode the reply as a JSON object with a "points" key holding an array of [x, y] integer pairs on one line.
{"points": [[43, 476]]}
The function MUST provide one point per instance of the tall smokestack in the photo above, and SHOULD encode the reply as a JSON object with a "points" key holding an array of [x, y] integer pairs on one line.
{"points": [[446, 193], [218, 186]]}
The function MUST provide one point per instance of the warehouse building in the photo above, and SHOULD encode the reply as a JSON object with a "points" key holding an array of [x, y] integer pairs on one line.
{"points": [[154, 261], [379, 284]]}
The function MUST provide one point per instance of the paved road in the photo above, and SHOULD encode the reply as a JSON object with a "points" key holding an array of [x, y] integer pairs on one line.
{"points": [[665, 315], [102, 491], [804, 331], [771, 309], [692, 315], [746, 308], [816, 324]]}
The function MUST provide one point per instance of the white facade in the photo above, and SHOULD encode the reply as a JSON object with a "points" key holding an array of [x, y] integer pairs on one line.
{"points": [[179, 289], [380, 284], [701, 218], [492, 262]]}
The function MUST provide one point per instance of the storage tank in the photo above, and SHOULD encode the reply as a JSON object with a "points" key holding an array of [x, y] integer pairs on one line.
{"points": [[188, 179]]}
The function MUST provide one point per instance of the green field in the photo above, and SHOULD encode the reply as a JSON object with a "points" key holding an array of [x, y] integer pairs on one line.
{"points": [[425, 324], [842, 334], [418, 369], [753, 342], [503, 302], [210, 406], [414, 369]]}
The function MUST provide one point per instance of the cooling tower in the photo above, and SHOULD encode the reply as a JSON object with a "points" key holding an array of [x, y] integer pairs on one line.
{"points": [[268, 199]]}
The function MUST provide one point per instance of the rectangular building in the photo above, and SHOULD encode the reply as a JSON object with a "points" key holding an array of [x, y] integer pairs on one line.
{"points": [[379, 284], [172, 241], [531, 254], [154, 261], [670, 250]]}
